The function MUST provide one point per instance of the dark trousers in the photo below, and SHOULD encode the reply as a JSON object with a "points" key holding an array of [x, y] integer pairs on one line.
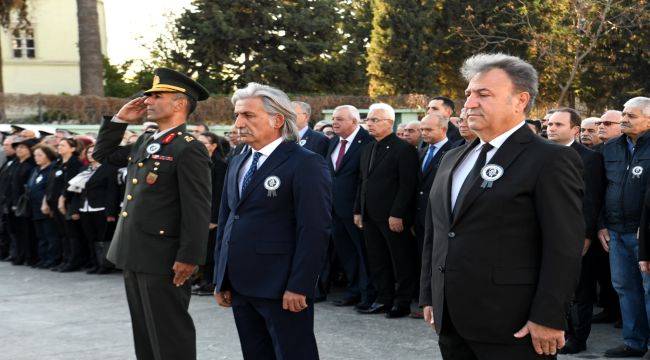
{"points": [[49, 243], [266, 331], [208, 268], [25, 240], [351, 251], [582, 307], [455, 347], [94, 229], [162, 326], [607, 296], [391, 259], [5, 239], [75, 243], [59, 222]]}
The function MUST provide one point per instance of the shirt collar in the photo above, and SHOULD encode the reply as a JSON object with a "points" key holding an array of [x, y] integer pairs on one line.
{"points": [[350, 138], [499, 140], [571, 143], [303, 131], [269, 148], [440, 143], [158, 134]]}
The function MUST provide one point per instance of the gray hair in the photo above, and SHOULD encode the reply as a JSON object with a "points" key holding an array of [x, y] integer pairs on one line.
{"points": [[304, 106], [640, 102], [383, 106], [442, 121], [275, 101], [522, 74], [354, 112], [589, 121]]}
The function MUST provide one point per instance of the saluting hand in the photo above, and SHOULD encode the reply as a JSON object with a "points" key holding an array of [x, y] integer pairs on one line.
{"points": [[546, 340], [224, 298], [133, 111], [294, 302], [182, 272]]}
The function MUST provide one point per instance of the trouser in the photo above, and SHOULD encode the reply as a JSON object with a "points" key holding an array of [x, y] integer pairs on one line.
{"points": [[455, 347], [633, 288], [49, 243], [391, 259], [208, 268], [162, 326], [25, 240], [351, 251], [75, 243], [581, 310], [94, 227], [5, 239], [266, 331]]}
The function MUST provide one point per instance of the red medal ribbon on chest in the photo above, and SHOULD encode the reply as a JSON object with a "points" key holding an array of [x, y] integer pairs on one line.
{"points": [[167, 139]]}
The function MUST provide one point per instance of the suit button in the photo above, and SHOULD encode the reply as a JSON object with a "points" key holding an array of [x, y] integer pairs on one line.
{"points": [[421, 192], [125, 214], [140, 164], [162, 232], [452, 234], [134, 181], [129, 197], [441, 269]]}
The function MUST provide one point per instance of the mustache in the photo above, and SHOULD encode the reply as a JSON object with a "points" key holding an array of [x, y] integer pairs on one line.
{"points": [[244, 131], [477, 113]]}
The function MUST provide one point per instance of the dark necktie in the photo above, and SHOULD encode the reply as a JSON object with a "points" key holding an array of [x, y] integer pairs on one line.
{"points": [[474, 173], [251, 171], [341, 153]]}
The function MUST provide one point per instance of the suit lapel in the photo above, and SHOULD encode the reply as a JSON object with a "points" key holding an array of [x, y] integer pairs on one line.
{"points": [[278, 156], [379, 157], [233, 178], [504, 156], [355, 145]]}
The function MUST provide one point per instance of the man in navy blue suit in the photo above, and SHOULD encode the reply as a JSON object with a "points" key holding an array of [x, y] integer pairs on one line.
{"points": [[343, 158], [274, 224], [309, 139]]}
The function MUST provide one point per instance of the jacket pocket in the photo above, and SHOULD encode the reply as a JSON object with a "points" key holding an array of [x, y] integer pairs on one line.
{"points": [[273, 247], [516, 276]]}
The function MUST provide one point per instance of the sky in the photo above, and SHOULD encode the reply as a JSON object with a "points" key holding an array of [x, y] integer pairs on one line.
{"points": [[131, 23]]}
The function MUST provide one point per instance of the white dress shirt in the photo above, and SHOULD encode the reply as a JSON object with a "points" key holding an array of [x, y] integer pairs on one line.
{"points": [[349, 139], [302, 132], [467, 164], [265, 151]]}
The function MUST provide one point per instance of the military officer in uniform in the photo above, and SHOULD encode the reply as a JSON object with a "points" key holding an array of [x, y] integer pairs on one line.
{"points": [[163, 224]]}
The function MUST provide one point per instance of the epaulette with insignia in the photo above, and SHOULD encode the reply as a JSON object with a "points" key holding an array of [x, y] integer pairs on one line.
{"points": [[189, 138]]}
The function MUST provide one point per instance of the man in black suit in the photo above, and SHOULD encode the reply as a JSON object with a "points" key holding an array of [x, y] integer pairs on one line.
{"points": [[343, 157], [562, 128], [309, 139], [434, 135], [504, 229], [444, 106], [384, 210]]}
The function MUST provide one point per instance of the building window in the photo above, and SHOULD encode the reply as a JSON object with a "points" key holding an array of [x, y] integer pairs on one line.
{"points": [[23, 44]]}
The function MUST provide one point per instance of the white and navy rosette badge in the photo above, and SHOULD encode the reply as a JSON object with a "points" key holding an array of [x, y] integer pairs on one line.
{"points": [[490, 173], [153, 148], [303, 142], [271, 184], [637, 171], [58, 173]]}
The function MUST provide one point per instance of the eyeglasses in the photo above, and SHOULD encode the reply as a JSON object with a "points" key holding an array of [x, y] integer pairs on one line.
{"points": [[375, 120], [607, 123]]}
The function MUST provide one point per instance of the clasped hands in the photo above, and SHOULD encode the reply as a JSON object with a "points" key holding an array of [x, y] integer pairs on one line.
{"points": [[546, 340]]}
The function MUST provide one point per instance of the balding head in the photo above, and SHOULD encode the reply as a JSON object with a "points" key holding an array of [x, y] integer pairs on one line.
{"points": [[609, 125], [433, 128]]}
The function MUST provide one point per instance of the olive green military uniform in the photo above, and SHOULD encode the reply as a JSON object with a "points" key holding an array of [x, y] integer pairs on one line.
{"points": [[164, 218]]}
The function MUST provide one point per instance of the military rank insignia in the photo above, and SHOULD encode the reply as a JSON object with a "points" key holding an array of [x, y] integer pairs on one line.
{"points": [[168, 138], [189, 138], [152, 178]]}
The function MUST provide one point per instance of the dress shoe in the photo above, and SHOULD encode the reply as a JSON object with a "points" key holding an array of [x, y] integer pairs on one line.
{"points": [[602, 317], [7, 258], [17, 262], [623, 351], [362, 306], [398, 311], [92, 271], [104, 270], [374, 308], [69, 268], [57, 267], [350, 301], [573, 347]]}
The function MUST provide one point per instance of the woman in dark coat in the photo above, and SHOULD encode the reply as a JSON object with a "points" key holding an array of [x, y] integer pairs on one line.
{"points": [[98, 205], [21, 228], [212, 142], [49, 243], [67, 167]]}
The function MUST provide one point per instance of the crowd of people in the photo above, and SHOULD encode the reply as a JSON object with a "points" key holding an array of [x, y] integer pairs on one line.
{"points": [[59, 205]]}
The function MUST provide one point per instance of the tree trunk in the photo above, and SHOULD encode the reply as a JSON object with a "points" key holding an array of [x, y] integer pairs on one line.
{"points": [[90, 49]]}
